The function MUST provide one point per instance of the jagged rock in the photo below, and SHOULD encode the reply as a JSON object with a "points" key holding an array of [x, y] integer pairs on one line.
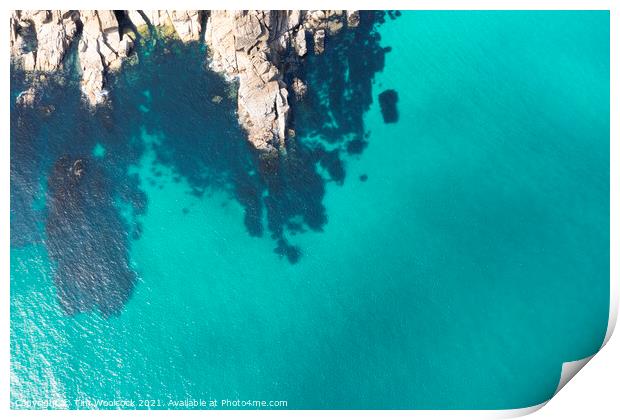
{"points": [[135, 16], [248, 31], [158, 18], [108, 39], [254, 47], [13, 35], [27, 97], [282, 26], [299, 88], [317, 19], [251, 47], [39, 40], [239, 46], [220, 38], [92, 71], [50, 30], [98, 51], [100, 47], [125, 46], [300, 42], [353, 18], [47, 110], [23, 38], [319, 41], [186, 23], [29, 61]]}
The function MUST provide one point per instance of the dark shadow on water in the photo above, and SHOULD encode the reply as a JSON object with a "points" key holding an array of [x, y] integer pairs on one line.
{"points": [[203, 143], [87, 239], [191, 111], [77, 218], [340, 84], [87, 221], [330, 122]]}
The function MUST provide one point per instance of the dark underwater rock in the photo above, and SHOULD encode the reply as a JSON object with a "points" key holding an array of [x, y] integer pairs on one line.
{"points": [[387, 101]]}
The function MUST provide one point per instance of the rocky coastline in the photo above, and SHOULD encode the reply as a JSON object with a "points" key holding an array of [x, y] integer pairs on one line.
{"points": [[256, 49]]}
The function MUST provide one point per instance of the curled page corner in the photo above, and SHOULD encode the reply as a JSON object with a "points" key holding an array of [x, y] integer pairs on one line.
{"points": [[519, 412], [569, 370], [613, 312]]}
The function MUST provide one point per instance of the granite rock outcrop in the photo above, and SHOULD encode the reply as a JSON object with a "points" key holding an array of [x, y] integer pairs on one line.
{"points": [[258, 49], [253, 47]]}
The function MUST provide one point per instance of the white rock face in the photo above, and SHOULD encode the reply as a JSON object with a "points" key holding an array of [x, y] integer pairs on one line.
{"points": [[186, 23], [98, 50], [100, 47], [300, 42], [51, 30], [136, 18], [157, 17], [239, 48]]}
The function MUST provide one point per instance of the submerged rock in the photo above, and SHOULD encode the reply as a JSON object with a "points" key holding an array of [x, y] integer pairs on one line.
{"points": [[78, 168], [27, 97], [387, 101], [353, 18], [299, 88]]}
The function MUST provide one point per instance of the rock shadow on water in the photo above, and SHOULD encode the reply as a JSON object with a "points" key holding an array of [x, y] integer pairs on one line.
{"points": [[87, 239], [332, 115], [203, 142], [70, 201], [340, 84], [199, 138], [329, 122], [83, 219]]}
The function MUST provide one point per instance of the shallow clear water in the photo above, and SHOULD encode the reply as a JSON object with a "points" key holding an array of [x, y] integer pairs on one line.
{"points": [[451, 259]]}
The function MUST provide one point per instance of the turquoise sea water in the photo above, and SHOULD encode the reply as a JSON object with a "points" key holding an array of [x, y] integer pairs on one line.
{"points": [[455, 262]]}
